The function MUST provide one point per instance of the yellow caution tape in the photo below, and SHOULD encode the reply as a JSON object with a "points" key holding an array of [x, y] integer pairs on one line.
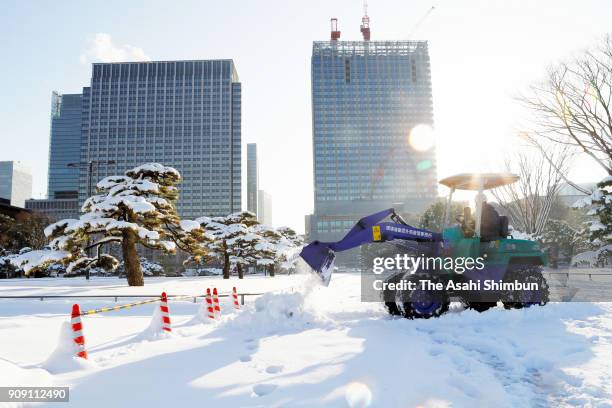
{"points": [[128, 305]]}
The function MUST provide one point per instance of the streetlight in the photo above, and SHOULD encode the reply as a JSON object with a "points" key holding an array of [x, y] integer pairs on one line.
{"points": [[90, 166]]}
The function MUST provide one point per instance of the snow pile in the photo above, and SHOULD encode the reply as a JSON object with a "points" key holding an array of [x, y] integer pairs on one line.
{"points": [[13, 375], [273, 312], [155, 331], [64, 358]]}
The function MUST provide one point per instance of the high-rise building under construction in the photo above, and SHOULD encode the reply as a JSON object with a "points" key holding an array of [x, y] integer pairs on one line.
{"points": [[371, 109]]}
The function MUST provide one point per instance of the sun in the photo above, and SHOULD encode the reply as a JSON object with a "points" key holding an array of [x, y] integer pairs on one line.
{"points": [[421, 138]]}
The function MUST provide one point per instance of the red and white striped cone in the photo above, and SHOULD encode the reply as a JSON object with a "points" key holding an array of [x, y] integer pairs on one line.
{"points": [[77, 331], [235, 297], [165, 313], [209, 305], [216, 302]]}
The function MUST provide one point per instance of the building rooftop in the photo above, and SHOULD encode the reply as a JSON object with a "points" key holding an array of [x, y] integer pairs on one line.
{"points": [[368, 47]]}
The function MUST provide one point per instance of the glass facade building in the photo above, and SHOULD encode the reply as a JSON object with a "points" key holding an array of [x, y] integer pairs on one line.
{"points": [[184, 114], [252, 177], [366, 98], [64, 146], [15, 182]]}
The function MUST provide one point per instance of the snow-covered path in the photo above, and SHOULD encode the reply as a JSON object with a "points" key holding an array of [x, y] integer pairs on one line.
{"points": [[309, 346]]}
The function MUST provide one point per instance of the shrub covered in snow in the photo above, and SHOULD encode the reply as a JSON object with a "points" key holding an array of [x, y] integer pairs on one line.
{"points": [[149, 268], [599, 230], [239, 241], [600, 257]]}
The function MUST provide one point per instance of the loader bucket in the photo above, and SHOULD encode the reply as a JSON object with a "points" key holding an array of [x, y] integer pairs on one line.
{"points": [[320, 257]]}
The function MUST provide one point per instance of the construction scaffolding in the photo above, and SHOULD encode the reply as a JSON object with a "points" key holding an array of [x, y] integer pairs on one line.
{"points": [[367, 48]]}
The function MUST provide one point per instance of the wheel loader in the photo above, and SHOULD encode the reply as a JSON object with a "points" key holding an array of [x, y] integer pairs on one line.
{"points": [[506, 262]]}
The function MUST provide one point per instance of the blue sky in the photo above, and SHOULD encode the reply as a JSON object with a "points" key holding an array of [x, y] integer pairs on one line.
{"points": [[483, 53]]}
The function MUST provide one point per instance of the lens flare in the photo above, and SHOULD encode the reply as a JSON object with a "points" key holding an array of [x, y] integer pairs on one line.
{"points": [[421, 138], [358, 395], [423, 165]]}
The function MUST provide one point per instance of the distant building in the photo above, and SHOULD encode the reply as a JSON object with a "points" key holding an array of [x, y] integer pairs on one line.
{"points": [[64, 150], [264, 206], [367, 96], [184, 114], [252, 177], [55, 208], [15, 182], [64, 146]]}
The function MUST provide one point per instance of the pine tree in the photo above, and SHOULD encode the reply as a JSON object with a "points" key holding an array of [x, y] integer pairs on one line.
{"points": [[599, 230], [227, 233], [137, 208], [560, 239], [240, 241]]}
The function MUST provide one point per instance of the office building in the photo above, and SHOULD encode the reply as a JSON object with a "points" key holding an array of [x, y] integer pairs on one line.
{"points": [[15, 183], [64, 158], [184, 114], [367, 97], [64, 146], [55, 208], [264, 207], [252, 177]]}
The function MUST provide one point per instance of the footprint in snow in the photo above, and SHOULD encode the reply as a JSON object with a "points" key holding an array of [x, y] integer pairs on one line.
{"points": [[245, 359], [249, 340], [263, 389], [251, 346], [274, 369]]}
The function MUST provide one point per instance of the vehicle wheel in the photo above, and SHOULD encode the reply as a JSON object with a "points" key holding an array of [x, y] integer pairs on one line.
{"points": [[391, 297], [423, 304], [518, 299], [482, 306]]}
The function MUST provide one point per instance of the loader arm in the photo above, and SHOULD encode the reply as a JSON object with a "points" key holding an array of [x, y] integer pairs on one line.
{"points": [[320, 256]]}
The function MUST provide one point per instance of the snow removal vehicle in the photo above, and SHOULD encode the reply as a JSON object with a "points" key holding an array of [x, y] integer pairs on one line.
{"points": [[507, 267]]}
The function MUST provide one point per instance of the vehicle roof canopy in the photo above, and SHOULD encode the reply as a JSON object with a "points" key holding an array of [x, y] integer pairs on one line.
{"points": [[473, 181]]}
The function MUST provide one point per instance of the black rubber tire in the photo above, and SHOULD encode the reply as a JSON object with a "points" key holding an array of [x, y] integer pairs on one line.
{"points": [[526, 274], [392, 307], [482, 306], [411, 312]]}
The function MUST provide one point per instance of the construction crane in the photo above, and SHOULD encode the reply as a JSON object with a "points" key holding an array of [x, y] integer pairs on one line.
{"points": [[365, 22], [420, 22], [335, 34]]}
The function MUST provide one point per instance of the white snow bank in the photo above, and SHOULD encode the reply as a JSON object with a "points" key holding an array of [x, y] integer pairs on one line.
{"points": [[273, 312], [64, 359], [155, 331], [29, 260], [14, 375]]}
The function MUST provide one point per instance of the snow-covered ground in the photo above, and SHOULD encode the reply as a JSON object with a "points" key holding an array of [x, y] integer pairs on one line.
{"points": [[307, 346]]}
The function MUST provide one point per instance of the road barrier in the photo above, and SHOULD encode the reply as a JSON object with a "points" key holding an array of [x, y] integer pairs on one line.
{"points": [[78, 337], [568, 274], [216, 303], [165, 313], [209, 305], [77, 331], [117, 297], [235, 297]]}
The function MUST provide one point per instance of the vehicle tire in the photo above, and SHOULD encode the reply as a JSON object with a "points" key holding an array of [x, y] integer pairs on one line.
{"points": [[481, 306], [423, 304], [518, 299], [391, 297]]}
